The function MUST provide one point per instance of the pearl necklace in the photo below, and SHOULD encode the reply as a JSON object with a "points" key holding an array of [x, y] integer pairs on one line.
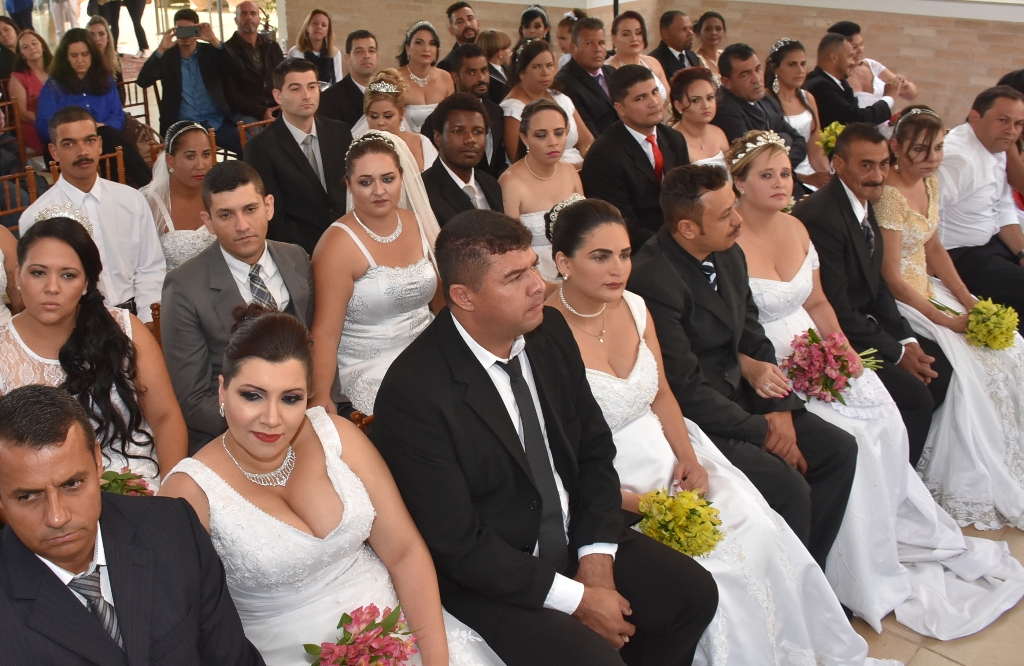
{"points": [[561, 295], [526, 161], [381, 239], [420, 81], [278, 477]]}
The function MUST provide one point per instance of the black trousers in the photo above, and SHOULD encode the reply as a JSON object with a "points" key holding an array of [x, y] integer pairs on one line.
{"points": [[112, 12], [23, 19], [135, 9], [813, 504], [915, 399], [991, 271], [673, 601]]}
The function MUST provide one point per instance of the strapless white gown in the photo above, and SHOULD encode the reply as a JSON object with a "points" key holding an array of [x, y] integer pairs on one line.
{"points": [[5, 312], [290, 587], [513, 108], [416, 115], [540, 243], [897, 549], [802, 123], [775, 605], [715, 160], [178, 245]]}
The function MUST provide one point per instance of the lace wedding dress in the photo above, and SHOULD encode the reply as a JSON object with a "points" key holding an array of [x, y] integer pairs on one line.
{"points": [[20, 366], [536, 223], [290, 587], [775, 605], [972, 461], [5, 312], [179, 245], [897, 549]]}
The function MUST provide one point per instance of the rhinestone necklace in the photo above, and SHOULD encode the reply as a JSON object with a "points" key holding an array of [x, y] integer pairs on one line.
{"points": [[561, 295], [381, 239], [278, 477], [420, 81], [526, 161]]}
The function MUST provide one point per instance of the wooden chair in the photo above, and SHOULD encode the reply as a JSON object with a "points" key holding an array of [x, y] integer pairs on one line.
{"points": [[25, 180], [5, 88], [134, 99], [155, 148], [108, 162], [11, 120], [247, 131], [155, 309], [360, 419]]}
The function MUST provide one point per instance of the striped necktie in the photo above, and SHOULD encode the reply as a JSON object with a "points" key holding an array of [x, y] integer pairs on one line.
{"points": [[88, 585], [259, 290]]}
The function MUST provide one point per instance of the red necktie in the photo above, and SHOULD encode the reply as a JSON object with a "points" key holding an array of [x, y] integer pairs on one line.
{"points": [[659, 161]]}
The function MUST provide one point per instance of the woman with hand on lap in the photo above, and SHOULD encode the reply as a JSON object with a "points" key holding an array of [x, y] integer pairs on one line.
{"points": [[694, 107], [427, 85], [30, 73], [629, 38], [316, 44], [540, 179], [710, 29], [384, 110], [176, 193], [303, 511], [533, 77], [103, 356], [373, 272]]}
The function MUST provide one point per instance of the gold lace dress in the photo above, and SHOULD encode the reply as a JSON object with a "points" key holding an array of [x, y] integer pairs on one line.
{"points": [[893, 213]]}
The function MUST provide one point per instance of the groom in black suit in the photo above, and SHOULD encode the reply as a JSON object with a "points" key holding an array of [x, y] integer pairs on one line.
{"points": [[674, 51], [88, 577], [850, 250], [721, 365], [504, 460]]}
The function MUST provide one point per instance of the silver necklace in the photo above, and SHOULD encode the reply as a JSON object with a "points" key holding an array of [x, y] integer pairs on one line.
{"points": [[599, 336], [381, 239], [561, 295], [526, 161], [278, 477], [420, 81]]}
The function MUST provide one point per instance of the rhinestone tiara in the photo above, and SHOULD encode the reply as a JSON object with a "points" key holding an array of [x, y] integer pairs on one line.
{"points": [[573, 198], [781, 44], [538, 9], [65, 210], [416, 26], [384, 87], [371, 135], [908, 114], [522, 46], [764, 139]]}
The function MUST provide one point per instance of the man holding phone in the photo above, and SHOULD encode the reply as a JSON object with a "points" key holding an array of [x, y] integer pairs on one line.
{"points": [[191, 62]]}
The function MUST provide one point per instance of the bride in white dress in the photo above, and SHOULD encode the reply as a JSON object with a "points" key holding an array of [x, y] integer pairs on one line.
{"points": [[304, 513], [775, 605], [897, 549], [694, 105], [373, 272], [8, 268]]}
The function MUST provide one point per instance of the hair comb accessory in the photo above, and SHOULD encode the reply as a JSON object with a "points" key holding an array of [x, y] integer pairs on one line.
{"points": [[538, 9], [907, 114], [170, 138], [764, 139], [522, 46], [571, 16], [416, 26], [65, 210], [384, 87], [558, 207], [366, 137], [779, 45]]}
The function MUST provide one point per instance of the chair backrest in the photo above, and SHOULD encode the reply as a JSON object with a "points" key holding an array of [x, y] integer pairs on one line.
{"points": [[155, 148], [11, 122], [360, 419], [247, 131], [155, 309], [108, 163], [5, 88], [11, 188], [134, 99]]}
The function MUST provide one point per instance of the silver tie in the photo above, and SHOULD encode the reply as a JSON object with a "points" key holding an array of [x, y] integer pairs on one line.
{"points": [[471, 193], [88, 585], [307, 147]]}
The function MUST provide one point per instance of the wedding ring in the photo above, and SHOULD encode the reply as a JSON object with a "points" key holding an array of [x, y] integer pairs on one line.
{"points": [[767, 385]]}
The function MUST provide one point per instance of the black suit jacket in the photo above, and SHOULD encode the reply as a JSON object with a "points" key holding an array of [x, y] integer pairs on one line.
{"points": [[170, 596], [839, 102], [446, 62], [213, 62], [460, 465], [672, 64], [249, 87], [617, 170], [343, 102], [448, 200], [302, 208], [592, 102], [498, 88], [736, 117], [850, 276], [496, 118], [702, 333]]}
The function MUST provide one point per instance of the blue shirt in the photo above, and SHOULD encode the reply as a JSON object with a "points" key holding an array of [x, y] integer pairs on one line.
{"points": [[106, 109], [196, 103]]}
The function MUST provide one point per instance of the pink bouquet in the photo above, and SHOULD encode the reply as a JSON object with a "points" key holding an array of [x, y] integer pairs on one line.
{"points": [[125, 482], [367, 641], [822, 368]]}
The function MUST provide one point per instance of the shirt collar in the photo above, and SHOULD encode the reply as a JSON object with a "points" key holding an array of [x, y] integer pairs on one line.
{"points": [[486, 358], [838, 82], [77, 196], [459, 181], [99, 559], [240, 269], [860, 210], [641, 138], [298, 134], [677, 54]]}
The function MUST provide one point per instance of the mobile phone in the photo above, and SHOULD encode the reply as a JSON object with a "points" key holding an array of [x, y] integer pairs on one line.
{"points": [[187, 31]]}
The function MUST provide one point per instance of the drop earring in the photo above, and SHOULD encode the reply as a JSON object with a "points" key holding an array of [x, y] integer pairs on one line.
{"points": [[222, 410], [895, 166], [775, 86]]}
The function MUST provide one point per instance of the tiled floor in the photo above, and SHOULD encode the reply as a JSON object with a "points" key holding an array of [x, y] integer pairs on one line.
{"points": [[999, 644]]}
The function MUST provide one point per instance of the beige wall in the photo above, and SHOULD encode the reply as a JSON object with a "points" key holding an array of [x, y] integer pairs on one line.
{"points": [[950, 59]]}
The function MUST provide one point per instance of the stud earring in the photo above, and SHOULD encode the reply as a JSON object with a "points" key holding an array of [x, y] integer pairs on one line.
{"points": [[171, 170], [222, 410], [895, 166], [775, 86]]}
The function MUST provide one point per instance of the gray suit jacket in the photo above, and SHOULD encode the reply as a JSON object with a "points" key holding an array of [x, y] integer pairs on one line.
{"points": [[196, 321]]}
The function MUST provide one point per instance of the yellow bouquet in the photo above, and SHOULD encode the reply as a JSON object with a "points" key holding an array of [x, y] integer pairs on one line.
{"points": [[989, 324], [685, 522], [827, 137]]}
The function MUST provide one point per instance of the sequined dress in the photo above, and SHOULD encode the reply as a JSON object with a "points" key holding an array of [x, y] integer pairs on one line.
{"points": [[973, 462], [179, 245], [291, 587]]}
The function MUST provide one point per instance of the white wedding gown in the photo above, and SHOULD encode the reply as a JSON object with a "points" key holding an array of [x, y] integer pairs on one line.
{"points": [[775, 605], [897, 549], [290, 587]]}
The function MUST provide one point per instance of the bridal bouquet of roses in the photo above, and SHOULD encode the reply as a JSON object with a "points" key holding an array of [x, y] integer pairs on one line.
{"points": [[822, 367], [685, 521], [367, 640], [827, 137], [989, 324], [124, 482]]}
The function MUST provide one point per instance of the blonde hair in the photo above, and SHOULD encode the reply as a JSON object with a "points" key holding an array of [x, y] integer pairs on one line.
{"points": [[739, 157], [110, 52], [303, 43], [392, 77], [493, 41]]}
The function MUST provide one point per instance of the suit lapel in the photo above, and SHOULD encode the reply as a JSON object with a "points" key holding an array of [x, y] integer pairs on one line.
{"points": [[860, 244], [668, 153], [294, 281], [547, 385], [589, 81], [452, 193], [704, 294], [332, 176], [291, 149], [639, 157], [224, 290], [131, 581], [492, 192], [56, 612]]}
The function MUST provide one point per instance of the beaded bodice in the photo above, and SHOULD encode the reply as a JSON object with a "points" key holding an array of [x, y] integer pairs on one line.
{"points": [[893, 212]]}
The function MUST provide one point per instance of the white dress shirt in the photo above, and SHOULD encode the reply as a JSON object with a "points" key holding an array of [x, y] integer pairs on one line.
{"points": [[481, 200], [885, 98], [565, 593], [299, 137], [99, 559], [125, 233], [268, 271], [645, 145], [860, 211], [975, 199]]}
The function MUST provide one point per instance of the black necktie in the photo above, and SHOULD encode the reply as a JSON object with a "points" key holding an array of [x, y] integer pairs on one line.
{"points": [[869, 234], [552, 526], [708, 269]]}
